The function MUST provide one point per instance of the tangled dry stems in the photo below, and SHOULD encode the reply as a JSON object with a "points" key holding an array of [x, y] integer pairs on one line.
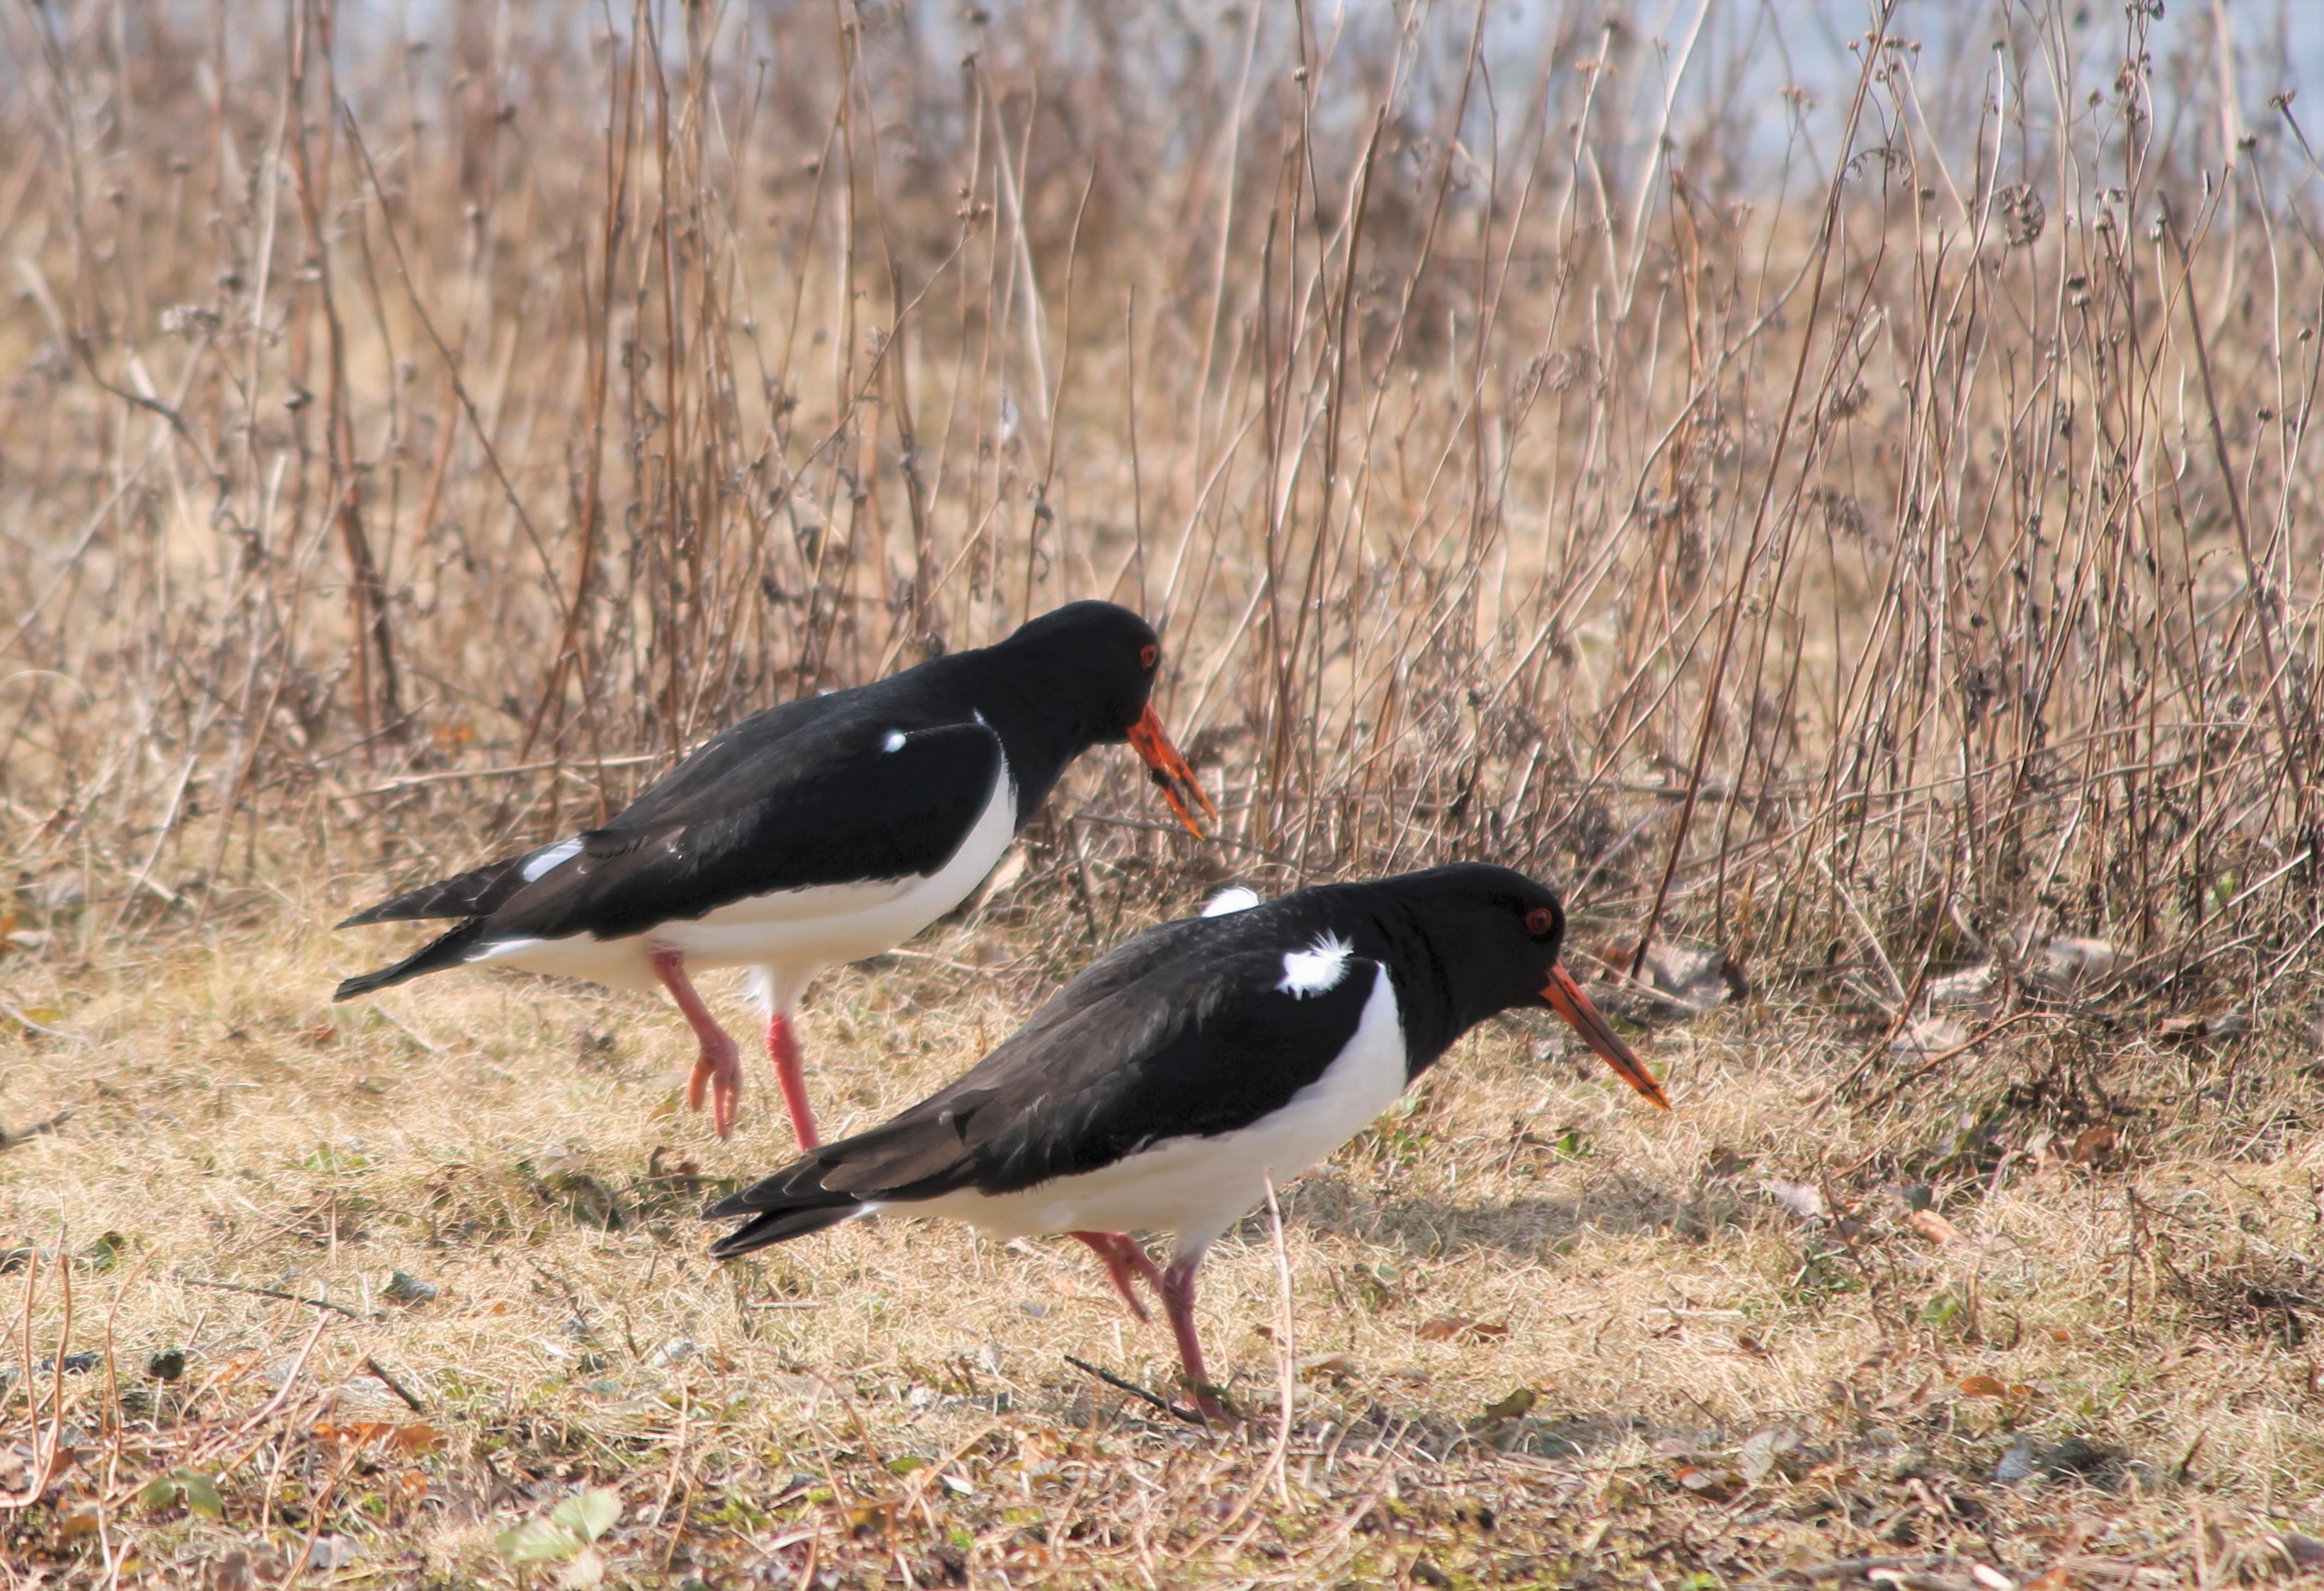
{"points": [[1857, 519]]}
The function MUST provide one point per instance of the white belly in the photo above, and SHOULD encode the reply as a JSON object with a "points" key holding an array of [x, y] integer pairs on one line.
{"points": [[1198, 1188], [792, 933]]}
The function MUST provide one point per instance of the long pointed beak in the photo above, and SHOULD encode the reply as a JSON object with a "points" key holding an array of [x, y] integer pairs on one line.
{"points": [[1565, 998], [1169, 770]]}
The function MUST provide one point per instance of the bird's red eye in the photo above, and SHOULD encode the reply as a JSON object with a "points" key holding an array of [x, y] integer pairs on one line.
{"points": [[1537, 921], [1149, 655]]}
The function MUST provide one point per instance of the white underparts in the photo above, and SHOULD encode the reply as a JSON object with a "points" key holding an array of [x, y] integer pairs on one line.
{"points": [[553, 856], [1316, 968], [1229, 901]]}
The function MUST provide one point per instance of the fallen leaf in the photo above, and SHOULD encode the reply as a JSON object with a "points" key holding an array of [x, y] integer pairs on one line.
{"points": [[1967, 987], [1712, 1481], [1983, 1387], [1446, 1328], [1513, 1406], [2015, 1464], [2069, 965], [566, 1531], [677, 1350], [403, 1288], [2306, 1551], [196, 1491], [2092, 1145], [353, 1433], [1691, 976], [1803, 1199], [1928, 1035], [1933, 1227], [332, 1552]]}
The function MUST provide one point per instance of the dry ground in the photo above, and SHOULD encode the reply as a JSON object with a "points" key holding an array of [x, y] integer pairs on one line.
{"points": [[1538, 1335], [1837, 482]]}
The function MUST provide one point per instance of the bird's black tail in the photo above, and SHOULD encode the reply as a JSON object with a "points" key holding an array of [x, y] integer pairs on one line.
{"points": [[778, 1226], [917, 1156], [477, 893], [448, 949]]}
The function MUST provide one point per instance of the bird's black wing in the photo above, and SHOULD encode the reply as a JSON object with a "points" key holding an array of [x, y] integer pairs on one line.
{"points": [[1171, 1035], [703, 778], [851, 800], [741, 752]]}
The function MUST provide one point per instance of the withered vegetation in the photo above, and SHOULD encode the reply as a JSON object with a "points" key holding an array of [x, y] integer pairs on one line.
{"points": [[1833, 490]]}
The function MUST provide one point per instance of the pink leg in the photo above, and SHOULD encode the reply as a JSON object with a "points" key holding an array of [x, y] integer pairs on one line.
{"points": [[1177, 1292], [1124, 1257], [783, 1052], [718, 1068]]}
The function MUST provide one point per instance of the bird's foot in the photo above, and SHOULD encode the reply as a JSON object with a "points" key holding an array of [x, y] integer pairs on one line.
{"points": [[718, 1070], [718, 1074], [1124, 1258], [1210, 1402]]}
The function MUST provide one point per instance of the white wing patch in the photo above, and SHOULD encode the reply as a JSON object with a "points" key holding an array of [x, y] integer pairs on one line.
{"points": [[555, 856], [894, 742], [1316, 968], [1227, 902]]}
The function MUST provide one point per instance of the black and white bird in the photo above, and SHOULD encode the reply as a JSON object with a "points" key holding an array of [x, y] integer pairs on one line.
{"points": [[811, 834], [1160, 1090]]}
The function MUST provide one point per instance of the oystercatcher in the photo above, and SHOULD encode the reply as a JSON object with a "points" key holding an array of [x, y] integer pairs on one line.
{"points": [[1161, 1087], [811, 834]]}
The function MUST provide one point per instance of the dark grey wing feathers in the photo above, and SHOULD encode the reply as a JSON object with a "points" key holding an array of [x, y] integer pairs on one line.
{"points": [[471, 894], [847, 809], [1151, 1044], [801, 795]]}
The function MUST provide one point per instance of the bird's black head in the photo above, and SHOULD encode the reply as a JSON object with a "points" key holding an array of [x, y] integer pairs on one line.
{"points": [[1099, 658], [1495, 936], [1096, 664]]}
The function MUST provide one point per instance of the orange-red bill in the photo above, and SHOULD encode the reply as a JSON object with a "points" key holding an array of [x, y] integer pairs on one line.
{"points": [[1565, 998], [1169, 770]]}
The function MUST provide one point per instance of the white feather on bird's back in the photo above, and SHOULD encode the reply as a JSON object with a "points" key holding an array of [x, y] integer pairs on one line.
{"points": [[1316, 968], [1230, 900], [549, 859]]}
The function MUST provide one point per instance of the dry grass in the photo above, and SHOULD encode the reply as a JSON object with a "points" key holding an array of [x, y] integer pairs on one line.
{"points": [[2140, 1320], [1850, 508]]}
